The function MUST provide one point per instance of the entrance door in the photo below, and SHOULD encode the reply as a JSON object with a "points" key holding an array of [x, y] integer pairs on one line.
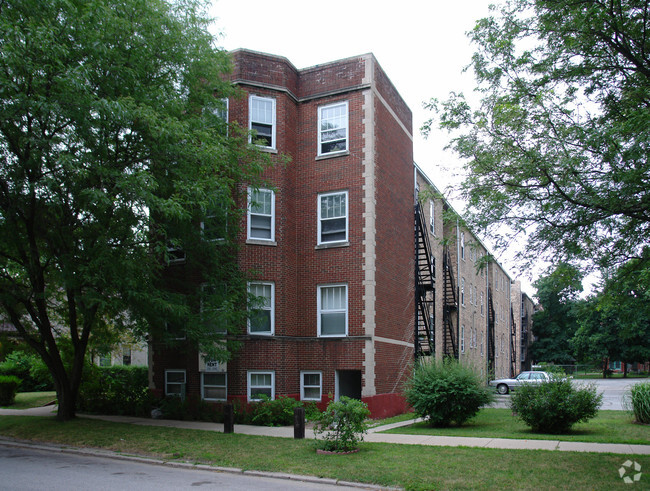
{"points": [[348, 383]]}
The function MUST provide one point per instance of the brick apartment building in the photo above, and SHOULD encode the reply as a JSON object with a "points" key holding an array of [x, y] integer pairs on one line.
{"points": [[351, 295]]}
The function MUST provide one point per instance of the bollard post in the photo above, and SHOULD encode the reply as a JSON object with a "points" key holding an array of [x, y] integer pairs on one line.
{"points": [[228, 418], [299, 423]]}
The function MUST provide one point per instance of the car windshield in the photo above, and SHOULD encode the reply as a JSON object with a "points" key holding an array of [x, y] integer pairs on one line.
{"points": [[523, 376]]}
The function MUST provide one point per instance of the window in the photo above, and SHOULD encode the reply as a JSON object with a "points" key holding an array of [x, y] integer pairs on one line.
{"points": [[261, 214], [482, 313], [215, 221], [471, 294], [261, 308], [332, 217], [310, 386], [262, 120], [175, 253], [213, 386], [462, 291], [462, 339], [175, 383], [212, 298], [432, 218], [259, 384], [333, 128], [126, 356], [333, 310], [462, 245], [105, 360]]}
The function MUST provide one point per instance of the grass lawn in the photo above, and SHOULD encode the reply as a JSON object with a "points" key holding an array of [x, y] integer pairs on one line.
{"points": [[26, 400], [607, 427], [408, 466]]}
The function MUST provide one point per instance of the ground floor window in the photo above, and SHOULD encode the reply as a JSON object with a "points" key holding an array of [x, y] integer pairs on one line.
{"points": [[214, 386], [311, 386], [261, 383], [175, 383]]}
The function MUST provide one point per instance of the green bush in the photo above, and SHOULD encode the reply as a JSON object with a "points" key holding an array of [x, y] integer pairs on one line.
{"points": [[122, 390], [191, 408], [638, 402], [274, 412], [446, 392], [8, 387], [342, 425], [555, 406], [30, 369]]}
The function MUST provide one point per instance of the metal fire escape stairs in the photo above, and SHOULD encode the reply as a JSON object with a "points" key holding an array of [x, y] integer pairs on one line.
{"points": [[513, 344], [490, 337], [450, 308], [424, 289]]}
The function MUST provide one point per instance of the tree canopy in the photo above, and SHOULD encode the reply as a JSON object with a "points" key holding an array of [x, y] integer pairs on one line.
{"points": [[112, 153], [558, 149]]}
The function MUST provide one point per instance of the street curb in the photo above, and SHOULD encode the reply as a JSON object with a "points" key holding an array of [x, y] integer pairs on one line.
{"points": [[96, 452]]}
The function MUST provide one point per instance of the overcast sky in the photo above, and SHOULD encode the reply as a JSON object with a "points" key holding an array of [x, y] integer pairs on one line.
{"points": [[421, 45]]}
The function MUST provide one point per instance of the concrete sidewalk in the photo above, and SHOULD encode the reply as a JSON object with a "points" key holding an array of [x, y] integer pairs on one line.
{"points": [[374, 434]]}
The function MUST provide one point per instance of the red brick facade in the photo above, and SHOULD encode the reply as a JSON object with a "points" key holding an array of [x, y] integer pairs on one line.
{"points": [[375, 263]]}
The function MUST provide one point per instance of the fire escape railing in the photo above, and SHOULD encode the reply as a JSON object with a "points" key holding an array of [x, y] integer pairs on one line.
{"points": [[450, 307], [490, 337], [513, 344], [424, 289]]}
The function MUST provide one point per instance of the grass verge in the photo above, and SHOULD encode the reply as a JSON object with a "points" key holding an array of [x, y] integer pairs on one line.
{"points": [[607, 427], [27, 400], [408, 466]]}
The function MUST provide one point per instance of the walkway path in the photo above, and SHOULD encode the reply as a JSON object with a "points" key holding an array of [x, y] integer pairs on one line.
{"points": [[374, 435]]}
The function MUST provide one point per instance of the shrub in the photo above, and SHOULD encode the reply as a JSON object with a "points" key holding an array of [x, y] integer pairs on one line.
{"points": [[274, 412], [8, 387], [446, 392], [192, 408], [555, 406], [342, 425], [30, 369], [122, 390], [637, 401]]}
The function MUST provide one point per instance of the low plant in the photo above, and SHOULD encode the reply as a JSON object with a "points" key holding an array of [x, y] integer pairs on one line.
{"points": [[274, 412], [446, 392], [637, 401], [342, 425], [555, 406], [122, 390], [30, 369], [8, 387]]}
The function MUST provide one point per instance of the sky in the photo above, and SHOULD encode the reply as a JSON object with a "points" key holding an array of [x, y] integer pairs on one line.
{"points": [[421, 45]]}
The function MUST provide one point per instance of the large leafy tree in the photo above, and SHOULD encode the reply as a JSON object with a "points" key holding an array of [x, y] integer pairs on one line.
{"points": [[558, 148], [555, 323], [112, 152], [616, 323]]}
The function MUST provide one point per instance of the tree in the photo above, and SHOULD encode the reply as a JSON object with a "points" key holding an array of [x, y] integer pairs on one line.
{"points": [[112, 151], [558, 149], [554, 324], [616, 324]]}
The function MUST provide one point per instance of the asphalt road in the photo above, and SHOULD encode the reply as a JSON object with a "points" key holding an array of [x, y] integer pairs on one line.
{"points": [[613, 391], [27, 469]]}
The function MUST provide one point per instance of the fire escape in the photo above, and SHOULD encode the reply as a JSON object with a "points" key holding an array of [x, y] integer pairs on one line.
{"points": [[513, 344], [450, 307], [424, 289], [490, 337]]}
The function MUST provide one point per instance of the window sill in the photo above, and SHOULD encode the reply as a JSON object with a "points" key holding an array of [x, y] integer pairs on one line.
{"points": [[333, 155], [332, 245], [261, 242], [267, 149]]}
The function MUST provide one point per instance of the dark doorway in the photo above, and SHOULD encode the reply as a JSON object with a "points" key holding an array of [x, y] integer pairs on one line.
{"points": [[349, 383]]}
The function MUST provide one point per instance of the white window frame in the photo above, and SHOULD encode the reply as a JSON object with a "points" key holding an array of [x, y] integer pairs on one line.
{"points": [[462, 338], [249, 225], [183, 384], [462, 291], [204, 385], [270, 308], [432, 218], [347, 129], [202, 308], [303, 386], [320, 240], [249, 385], [251, 122], [321, 312], [462, 245]]}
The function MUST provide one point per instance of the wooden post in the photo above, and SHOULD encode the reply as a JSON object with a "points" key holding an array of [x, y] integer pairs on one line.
{"points": [[299, 423], [228, 418]]}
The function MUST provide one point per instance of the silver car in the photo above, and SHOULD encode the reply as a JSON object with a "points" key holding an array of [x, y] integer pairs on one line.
{"points": [[505, 385]]}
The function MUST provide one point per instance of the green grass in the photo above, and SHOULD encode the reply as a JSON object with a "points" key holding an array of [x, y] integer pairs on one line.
{"points": [[599, 375], [27, 400], [607, 427], [408, 466]]}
